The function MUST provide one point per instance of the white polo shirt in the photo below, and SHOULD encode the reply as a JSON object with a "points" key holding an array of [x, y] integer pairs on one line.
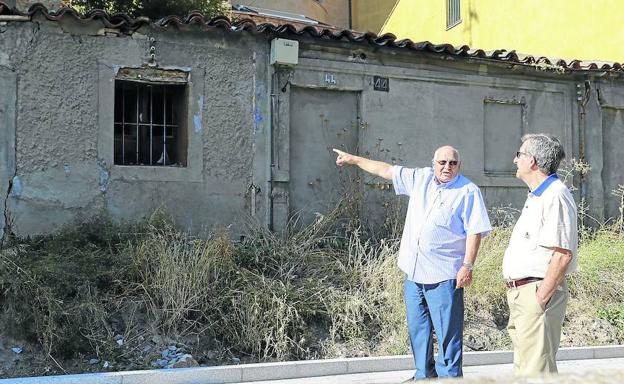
{"points": [[548, 219]]}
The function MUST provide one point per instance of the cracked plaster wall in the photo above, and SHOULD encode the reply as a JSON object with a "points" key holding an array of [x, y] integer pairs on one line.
{"points": [[58, 164], [610, 99], [61, 174]]}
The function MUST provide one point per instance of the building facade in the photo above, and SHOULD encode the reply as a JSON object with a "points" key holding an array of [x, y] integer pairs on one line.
{"points": [[112, 116], [558, 28]]}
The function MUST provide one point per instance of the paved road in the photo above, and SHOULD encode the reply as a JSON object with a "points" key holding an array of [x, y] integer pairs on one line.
{"points": [[610, 368]]}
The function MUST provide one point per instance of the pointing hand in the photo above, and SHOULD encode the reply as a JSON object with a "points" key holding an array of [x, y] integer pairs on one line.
{"points": [[344, 158]]}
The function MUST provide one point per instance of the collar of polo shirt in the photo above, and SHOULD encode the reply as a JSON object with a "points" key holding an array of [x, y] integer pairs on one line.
{"points": [[542, 187]]}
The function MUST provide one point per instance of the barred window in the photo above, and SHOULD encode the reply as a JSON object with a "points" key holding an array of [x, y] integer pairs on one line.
{"points": [[453, 13], [149, 124]]}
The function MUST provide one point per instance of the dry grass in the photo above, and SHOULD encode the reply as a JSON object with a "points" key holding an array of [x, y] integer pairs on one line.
{"points": [[326, 290]]}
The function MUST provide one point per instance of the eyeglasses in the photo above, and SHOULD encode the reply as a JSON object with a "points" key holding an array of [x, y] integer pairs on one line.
{"points": [[452, 163], [522, 153]]}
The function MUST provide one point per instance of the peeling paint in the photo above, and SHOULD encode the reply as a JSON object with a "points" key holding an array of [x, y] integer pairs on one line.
{"points": [[258, 116], [104, 176], [258, 99], [117, 67], [16, 187], [260, 92], [151, 74], [197, 118], [71, 145]]}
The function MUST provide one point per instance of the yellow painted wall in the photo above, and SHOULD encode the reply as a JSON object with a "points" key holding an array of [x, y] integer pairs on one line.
{"points": [[571, 29], [371, 15]]}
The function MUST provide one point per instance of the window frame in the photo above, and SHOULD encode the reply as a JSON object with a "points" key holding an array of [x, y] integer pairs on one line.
{"points": [[194, 128], [176, 91], [453, 13]]}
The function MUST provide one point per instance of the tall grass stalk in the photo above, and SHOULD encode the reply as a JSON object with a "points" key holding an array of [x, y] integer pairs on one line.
{"points": [[328, 289]]}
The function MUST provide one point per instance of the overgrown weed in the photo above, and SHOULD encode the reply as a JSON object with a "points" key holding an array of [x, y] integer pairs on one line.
{"points": [[328, 289]]}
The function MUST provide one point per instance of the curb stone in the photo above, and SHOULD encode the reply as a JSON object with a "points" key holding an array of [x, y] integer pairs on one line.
{"points": [[297, 369]]}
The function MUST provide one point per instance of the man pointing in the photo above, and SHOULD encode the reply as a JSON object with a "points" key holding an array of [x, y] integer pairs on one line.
{"points": [[446, 218]]}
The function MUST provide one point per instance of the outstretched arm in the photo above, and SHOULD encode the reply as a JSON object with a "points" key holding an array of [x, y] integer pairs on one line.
{"points": [[377, 168]]}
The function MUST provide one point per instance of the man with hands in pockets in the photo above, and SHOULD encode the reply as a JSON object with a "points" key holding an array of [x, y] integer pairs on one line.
{"points": [[446, 218], [542, 251]]}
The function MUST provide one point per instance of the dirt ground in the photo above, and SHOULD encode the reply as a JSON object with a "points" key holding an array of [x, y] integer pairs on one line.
{"points": [[485, 330]]}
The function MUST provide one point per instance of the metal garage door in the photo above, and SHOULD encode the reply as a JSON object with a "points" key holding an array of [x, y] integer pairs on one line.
{"points": [[319, 121]]}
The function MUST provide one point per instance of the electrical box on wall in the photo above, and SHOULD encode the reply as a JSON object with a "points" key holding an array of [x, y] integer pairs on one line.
{"points": [[284, 52]]}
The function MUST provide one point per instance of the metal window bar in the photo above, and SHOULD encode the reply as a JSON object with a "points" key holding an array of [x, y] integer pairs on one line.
{"points": [[453, 14], [150, 124], [138, 95], [151, 127], [164, 154], [123, 125]]}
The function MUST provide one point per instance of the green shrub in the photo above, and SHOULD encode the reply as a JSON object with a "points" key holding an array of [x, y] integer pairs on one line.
{"points": [[600, 278], [614, 314]]}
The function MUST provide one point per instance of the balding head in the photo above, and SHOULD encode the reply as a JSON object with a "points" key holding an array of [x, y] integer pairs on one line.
{"points": [[446, 149], [445, 163]]}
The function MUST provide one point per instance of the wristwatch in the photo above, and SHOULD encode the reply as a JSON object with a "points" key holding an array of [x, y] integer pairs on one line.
{"points": [[469, 266]]}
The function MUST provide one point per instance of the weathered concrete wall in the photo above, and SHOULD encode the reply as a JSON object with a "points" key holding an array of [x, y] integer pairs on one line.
{"points": [[64, 118], [8, 97], [56, 147], [259, 140], [8, 87], [480, 109], [610, 97]]}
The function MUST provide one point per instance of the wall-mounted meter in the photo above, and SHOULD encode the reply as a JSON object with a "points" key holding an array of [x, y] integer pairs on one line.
{"points": [[284, 52]]}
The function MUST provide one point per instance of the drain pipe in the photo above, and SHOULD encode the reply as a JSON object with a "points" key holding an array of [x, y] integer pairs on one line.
{"points": [[583, 92], [350, 15], [270, 161]]}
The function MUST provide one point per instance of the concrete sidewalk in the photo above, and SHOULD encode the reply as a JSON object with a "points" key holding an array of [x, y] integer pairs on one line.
{"points": [[613, 369], [385, 369]]}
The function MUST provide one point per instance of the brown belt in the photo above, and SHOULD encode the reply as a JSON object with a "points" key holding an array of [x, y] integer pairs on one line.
{"points": [[521, 282]]}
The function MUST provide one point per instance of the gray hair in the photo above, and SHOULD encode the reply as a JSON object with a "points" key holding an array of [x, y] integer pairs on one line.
{"points": [[546, 149], [455, 153]]}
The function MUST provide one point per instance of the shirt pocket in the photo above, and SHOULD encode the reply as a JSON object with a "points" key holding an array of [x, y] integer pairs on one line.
{"points": [[442, 216]]}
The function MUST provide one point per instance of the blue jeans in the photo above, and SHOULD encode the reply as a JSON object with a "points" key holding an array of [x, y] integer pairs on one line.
{"points": [[438, 307]]}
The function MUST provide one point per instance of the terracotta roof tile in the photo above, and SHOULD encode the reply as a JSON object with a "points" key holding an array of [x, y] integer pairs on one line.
{"points": [[126, 23]]}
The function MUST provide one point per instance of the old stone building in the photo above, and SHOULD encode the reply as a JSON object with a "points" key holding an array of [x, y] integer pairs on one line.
{"points": [[219, 121]]}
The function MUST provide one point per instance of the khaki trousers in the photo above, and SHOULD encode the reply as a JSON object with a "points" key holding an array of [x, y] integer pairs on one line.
{"points": [[535, 333]]}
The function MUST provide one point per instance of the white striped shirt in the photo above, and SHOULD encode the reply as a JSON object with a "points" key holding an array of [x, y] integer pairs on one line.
{"points": [[439, 218]]}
